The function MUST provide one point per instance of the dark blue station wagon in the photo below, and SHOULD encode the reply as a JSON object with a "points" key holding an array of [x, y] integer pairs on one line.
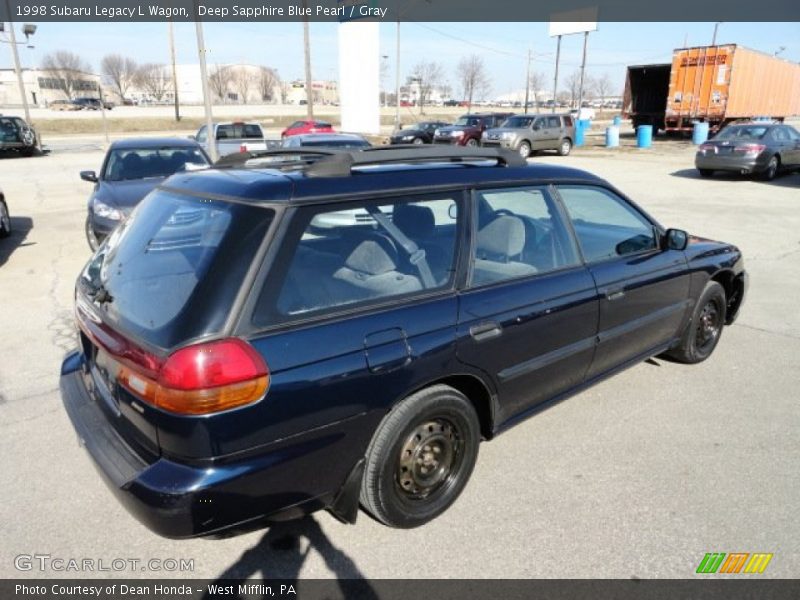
{"points": [[299, 330]]}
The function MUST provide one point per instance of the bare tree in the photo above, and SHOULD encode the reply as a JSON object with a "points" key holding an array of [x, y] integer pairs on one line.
{"points": [[602, 86], [120, 72], [267, 80], [426, 75], [220, 81], [535, 83], [243, 81], [67, 69], [285, 86], [471, 74], [155, 80]]}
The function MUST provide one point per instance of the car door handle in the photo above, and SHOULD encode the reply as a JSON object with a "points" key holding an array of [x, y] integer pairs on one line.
{"points": [[615, 294], [485, 331]]}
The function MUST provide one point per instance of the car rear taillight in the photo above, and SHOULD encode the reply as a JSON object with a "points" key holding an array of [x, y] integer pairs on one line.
{"points": [[749, 149], [708, 148], [242, 148], [201, 379]]}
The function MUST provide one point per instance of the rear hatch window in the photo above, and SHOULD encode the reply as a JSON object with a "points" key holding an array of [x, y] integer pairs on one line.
{"points": [[171, 271], [239, 131]]}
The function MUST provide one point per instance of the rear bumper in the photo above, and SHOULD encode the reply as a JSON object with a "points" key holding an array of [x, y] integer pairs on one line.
{"points": [[742, 164], [191, 499]]}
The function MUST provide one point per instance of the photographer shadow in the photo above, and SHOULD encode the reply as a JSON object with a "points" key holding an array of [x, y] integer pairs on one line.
{"points": [[280, 555]]}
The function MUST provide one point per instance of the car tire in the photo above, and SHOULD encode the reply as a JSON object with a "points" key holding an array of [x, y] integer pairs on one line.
{"points": [[471, 143], [705, 327], [771, 171], [706, 172], [524, 149], [565, 147], [417, 141], [420, 457], [5, 220], [91, 236]]}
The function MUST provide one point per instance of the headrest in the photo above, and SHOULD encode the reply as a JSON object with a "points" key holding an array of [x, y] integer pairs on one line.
{"points": [[504, 236], [415, 221], [369, 257]]}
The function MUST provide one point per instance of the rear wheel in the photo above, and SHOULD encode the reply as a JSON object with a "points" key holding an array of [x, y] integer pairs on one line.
{"points": [[420, 457], [565, 147], [706, 172], [705, 328], [5, 220], [524, 149], [771, 171]]}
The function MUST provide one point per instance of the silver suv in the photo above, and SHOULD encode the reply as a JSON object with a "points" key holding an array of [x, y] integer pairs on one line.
{"points": [[529, 133]]}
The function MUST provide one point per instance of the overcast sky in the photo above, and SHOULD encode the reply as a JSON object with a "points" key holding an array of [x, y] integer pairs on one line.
{"points": [[503, 46]]}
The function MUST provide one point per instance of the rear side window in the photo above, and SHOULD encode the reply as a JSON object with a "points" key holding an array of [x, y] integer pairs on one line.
{"points": [[171, 271], [361, 254], [238, 131], [606, 225], [554, 122]]}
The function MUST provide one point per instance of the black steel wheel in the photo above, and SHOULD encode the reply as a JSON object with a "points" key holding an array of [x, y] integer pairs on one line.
{"points": [[420, 457], [705, 328]]}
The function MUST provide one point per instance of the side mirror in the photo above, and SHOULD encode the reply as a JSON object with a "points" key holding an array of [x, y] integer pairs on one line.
{"points": [[90, 176], [676, 239]]}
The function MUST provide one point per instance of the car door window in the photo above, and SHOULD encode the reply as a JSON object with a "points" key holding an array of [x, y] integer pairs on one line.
{"points": [[606, 225], [519, 234], [792, 134], [361, 254]]}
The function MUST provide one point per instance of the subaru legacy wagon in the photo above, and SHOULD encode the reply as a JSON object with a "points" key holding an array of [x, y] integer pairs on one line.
{"points": [[273, 367]]}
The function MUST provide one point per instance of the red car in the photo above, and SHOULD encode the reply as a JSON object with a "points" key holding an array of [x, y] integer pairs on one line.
{"points": [[299, 127]]}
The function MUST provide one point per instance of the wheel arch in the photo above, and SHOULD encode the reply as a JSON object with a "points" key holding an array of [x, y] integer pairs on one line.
{"points": [[734, 290]]}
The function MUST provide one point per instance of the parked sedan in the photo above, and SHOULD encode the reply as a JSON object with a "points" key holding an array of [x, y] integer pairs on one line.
{"points": [[761, 148], [307, 126], [5, 217], [92, 104], [417, 133], [131, 169]]}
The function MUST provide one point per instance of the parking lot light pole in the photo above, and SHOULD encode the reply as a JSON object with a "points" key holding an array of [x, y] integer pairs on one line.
{"points": [[201, 51], [397, 79], [29, 30], [555, 78]]}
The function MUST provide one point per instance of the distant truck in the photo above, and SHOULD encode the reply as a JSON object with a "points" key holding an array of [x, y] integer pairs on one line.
{"points": [[714, 84], [232, 137]]}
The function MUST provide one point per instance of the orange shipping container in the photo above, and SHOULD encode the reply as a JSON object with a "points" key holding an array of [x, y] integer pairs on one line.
{"points": [[718, 84]]}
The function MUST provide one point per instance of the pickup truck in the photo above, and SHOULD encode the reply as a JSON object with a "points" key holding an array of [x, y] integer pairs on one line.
{"points": [[230, 138]]}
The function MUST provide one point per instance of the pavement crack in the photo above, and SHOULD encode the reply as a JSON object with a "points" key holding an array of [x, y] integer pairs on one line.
{"points": [[793, 336]]}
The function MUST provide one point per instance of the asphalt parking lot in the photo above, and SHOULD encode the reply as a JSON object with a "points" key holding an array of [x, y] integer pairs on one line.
{"points": [[637, 477]]}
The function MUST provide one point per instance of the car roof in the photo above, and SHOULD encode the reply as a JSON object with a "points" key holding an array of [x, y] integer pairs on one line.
{"points": [[261, 185], [153, 142]]}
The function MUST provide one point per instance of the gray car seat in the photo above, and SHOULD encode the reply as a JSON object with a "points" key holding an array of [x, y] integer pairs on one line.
{"points": [[498, 243], [372, 272]]}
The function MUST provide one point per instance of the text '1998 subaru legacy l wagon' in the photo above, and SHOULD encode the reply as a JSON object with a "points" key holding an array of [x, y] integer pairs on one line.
{"points": [[255, 363]]}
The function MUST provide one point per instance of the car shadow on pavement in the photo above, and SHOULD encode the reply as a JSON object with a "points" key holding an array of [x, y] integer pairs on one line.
{"points": [[280, 554], [20, 227]]}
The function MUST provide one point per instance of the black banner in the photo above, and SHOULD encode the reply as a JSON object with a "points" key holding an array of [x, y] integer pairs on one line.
{"points": [[394, 10], [401, 589]]}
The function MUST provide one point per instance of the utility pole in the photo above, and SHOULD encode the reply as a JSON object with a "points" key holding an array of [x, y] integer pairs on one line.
{"points": [[583, 70], [307, 51], [174, 70], [18, 69], [714, 38], [201, 51], [397, 80], [555, 78], [103, 109], [527, 81]]}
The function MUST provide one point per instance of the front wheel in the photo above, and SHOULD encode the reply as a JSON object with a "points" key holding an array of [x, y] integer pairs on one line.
{"points": [[472, 143], [5, 221], [418, 141], [420, 457], [565, 147], [524, 149], [705, 328]]}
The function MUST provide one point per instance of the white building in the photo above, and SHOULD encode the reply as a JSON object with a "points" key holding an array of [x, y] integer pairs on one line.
{"points": [[41, 87]]}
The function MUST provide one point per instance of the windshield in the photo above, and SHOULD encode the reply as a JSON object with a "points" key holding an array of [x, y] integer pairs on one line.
{"points": [[141, 163], [467, 122], [170, 272], [742, 132], [518, 122]]}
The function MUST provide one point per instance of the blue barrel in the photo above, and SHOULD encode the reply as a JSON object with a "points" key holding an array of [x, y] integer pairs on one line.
{"points": [[587, 124], [612, 137], [644, 136], [617, 120], [580, 133], [699, 133]]}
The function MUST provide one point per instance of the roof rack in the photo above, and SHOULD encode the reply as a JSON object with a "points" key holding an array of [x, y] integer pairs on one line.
{"points": [[291, 156], [340, 164]]}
